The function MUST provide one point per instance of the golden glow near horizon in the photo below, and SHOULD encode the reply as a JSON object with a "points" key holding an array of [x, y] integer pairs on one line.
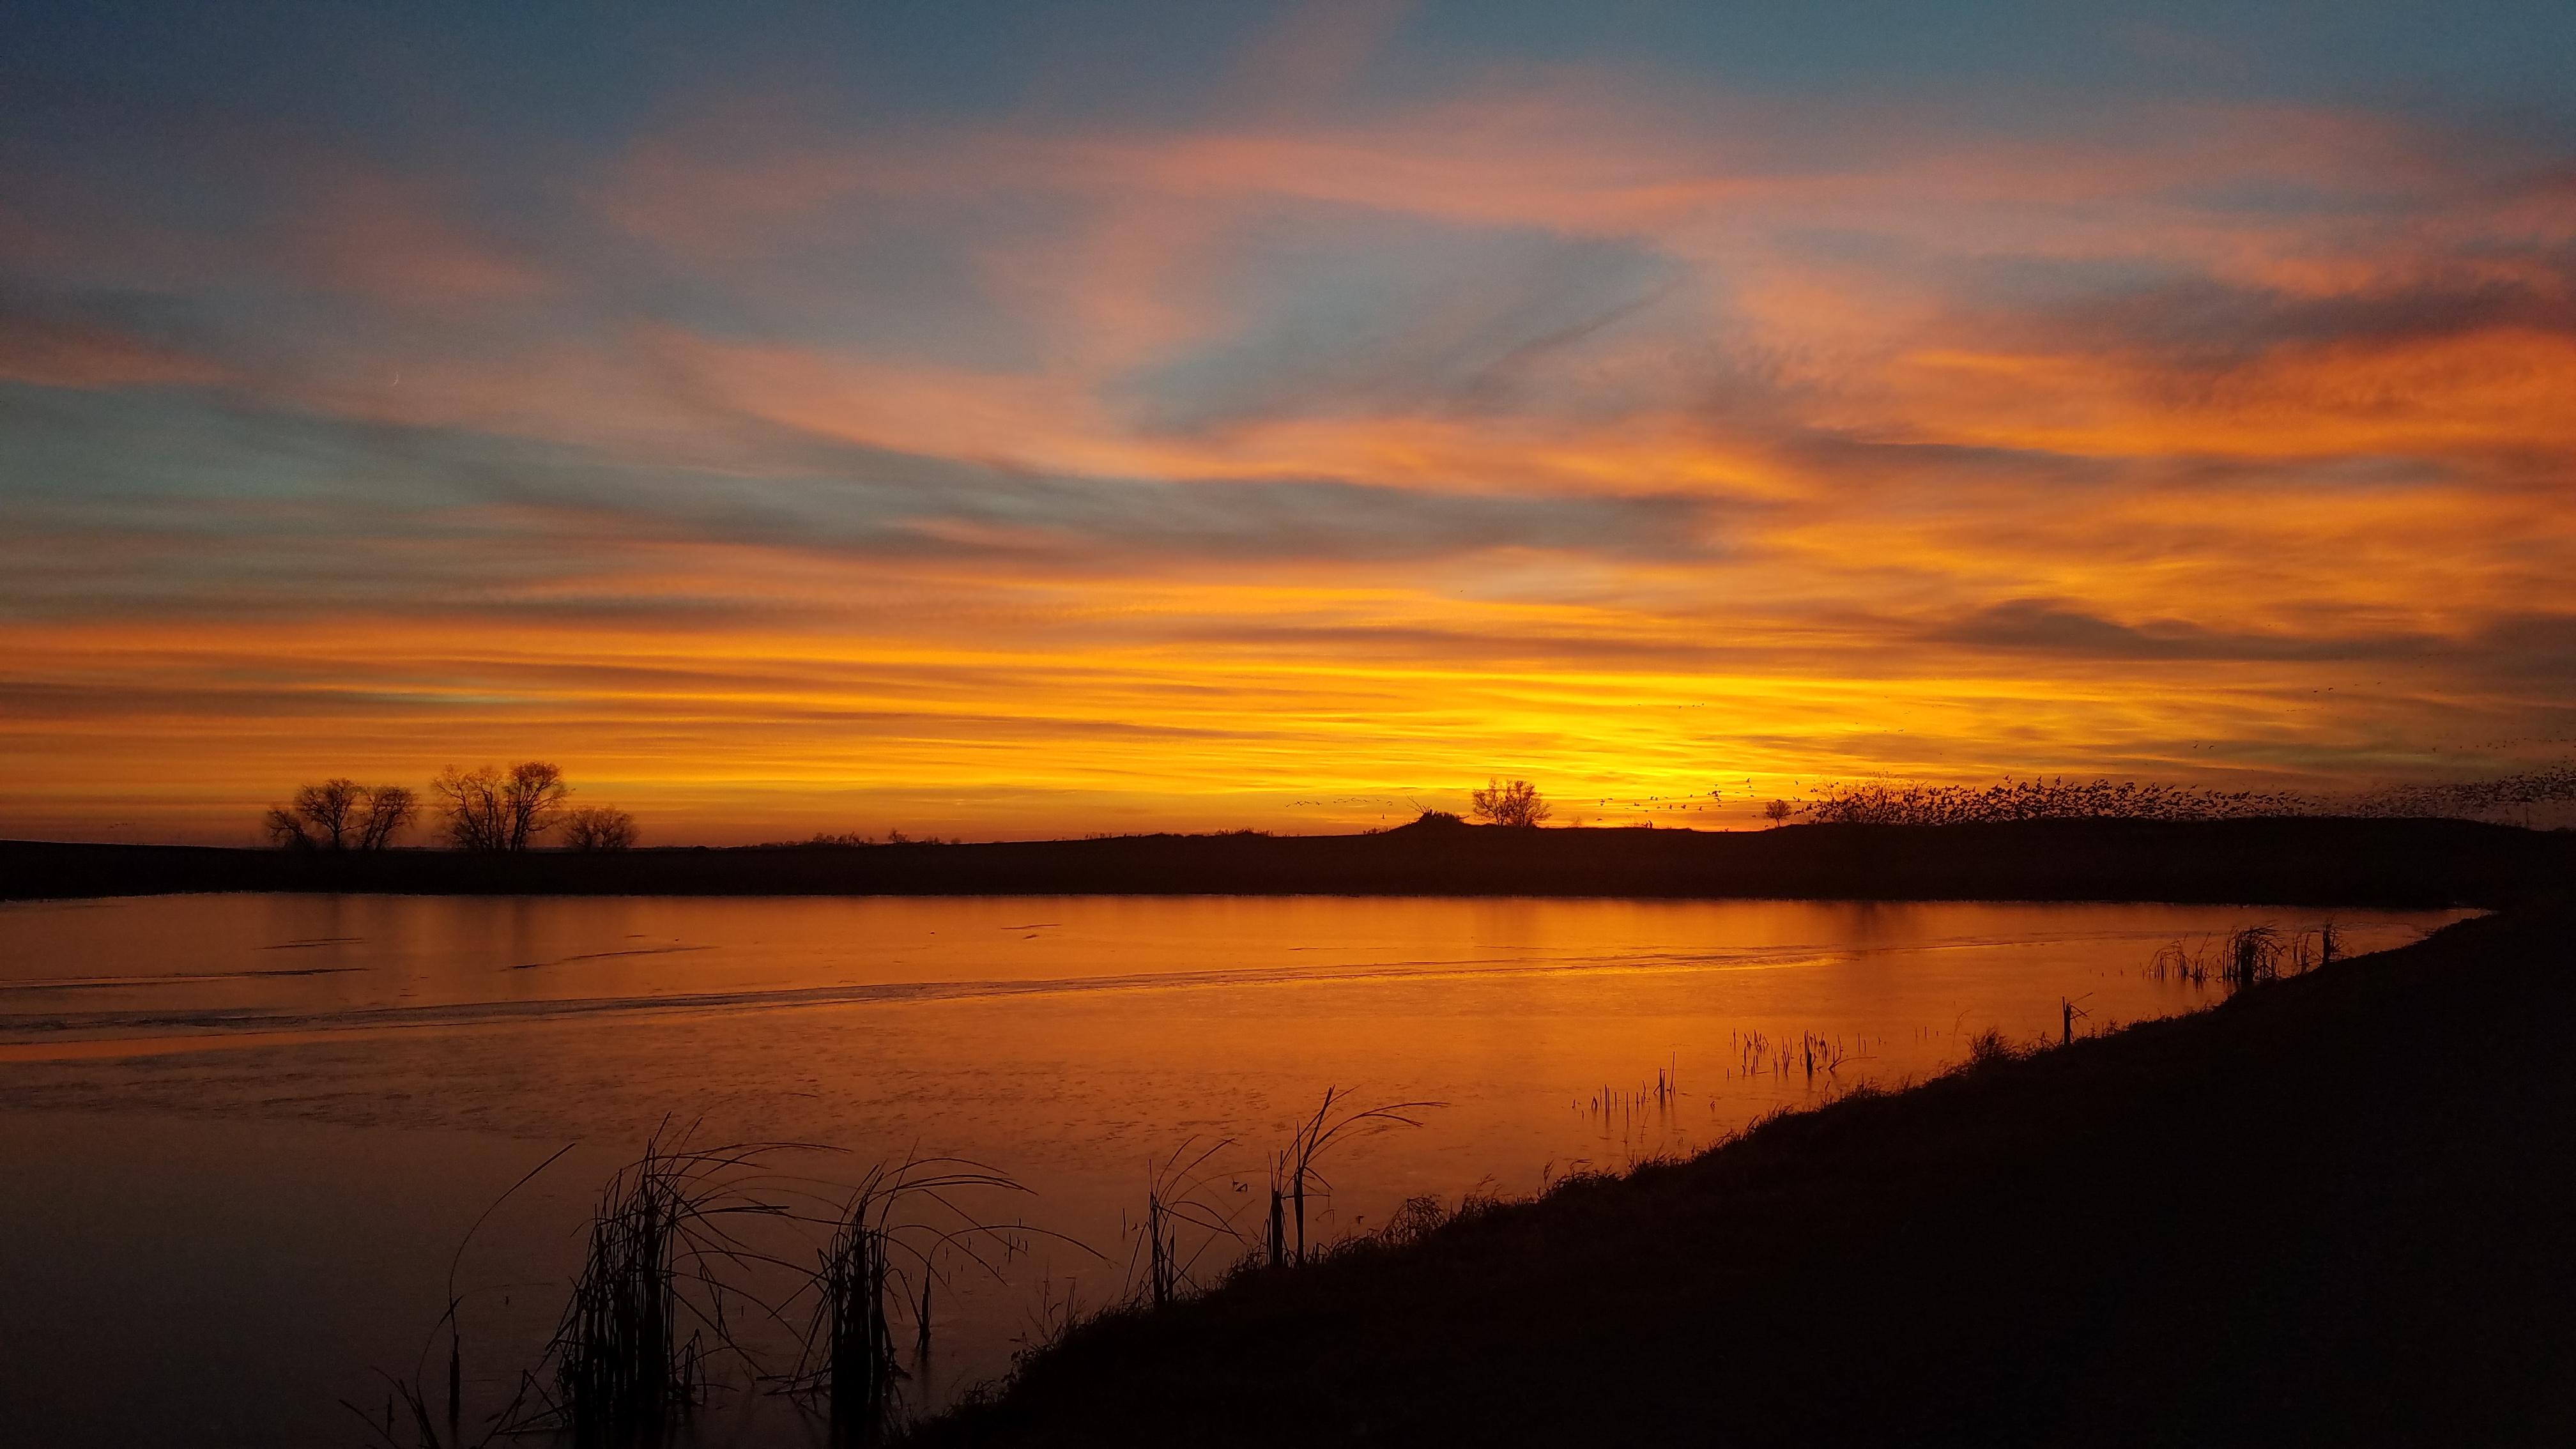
{"points": [[991, 477]]}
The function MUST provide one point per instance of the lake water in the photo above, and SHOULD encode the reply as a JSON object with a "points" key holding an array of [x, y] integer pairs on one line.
{"points": [[245, 1135]]}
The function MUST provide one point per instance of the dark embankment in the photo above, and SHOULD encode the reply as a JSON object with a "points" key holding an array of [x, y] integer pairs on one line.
{"points": [[2290, 861], [2340, 1209]]}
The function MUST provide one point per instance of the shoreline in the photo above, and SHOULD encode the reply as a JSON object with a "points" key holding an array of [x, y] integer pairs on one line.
{"points": [[2270, 861], [2297, 1217]]}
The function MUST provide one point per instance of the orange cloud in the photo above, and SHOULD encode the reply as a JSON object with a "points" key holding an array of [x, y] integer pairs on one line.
{"points": [[1637, 446], [2492, 390]]}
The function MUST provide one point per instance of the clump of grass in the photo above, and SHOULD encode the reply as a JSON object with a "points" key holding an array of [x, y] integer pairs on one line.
{"points": [[1293, 1171], [2178, 961], [622, 1371], [1424, 1214], [1991, 1048], [1814, 1052], [2248, 957], [1176, 1208], [859, 1369], [2253, 956], [1752, 1051], [666, 1254], [2312, 949], [1418, 1218], [1820, 1053], [900, 1231], [1663, 1094]]}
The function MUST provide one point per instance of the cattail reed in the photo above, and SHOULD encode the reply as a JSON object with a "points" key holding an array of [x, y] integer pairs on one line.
{"points": [[901, 1224], [622, 1372], [1174, 1202], [1296, 1166], [2253, 956], [860, 1352]]}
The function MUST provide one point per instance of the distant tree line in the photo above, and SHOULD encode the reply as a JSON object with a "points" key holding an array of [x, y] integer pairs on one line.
{"points": [[485, 809], [853, 838], [495, 809]]}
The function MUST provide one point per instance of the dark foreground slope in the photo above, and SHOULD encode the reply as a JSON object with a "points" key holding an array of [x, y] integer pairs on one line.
{"points": [[2340, 1209], [2286, 861]]}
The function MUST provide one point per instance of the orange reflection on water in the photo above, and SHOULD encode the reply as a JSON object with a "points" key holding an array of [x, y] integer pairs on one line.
{"points": [[1064, 1041]]}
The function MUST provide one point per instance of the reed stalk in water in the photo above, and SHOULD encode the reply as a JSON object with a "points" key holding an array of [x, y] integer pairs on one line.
{"points": [[622, 1371], [901, 1229], [1295, 1167], [1174, 1204], [412, 1392]]}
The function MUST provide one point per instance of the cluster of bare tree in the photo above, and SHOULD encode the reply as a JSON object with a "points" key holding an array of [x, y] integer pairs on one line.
{"points": [[486, 809], [341, 815], [495, 809]]}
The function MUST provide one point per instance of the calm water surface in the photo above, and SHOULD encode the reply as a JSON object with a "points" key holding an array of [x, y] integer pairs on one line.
{"points": [[244, 1135]]}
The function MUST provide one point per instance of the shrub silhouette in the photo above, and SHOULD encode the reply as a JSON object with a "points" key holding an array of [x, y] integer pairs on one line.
{"points": [[598, 827], [1517, 803]]}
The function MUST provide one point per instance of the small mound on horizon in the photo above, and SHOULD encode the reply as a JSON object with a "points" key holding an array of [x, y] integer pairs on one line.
{"points": [[1430, 821]]}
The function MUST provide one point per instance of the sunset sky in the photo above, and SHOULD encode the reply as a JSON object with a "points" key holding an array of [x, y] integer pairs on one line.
{"points": [[1015, 420]]}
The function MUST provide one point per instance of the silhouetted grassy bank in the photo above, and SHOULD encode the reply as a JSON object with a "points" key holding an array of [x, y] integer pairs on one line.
{"points": [[2338, 1209], [2287, 861]]}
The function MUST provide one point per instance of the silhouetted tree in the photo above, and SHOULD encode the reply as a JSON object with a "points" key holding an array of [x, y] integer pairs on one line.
{"points": [[284, 830], [389, 808], [488, 809], [319, 819], [476, 817], [1517, 803], [1778, 812], [598, 827], [340, 814]]}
